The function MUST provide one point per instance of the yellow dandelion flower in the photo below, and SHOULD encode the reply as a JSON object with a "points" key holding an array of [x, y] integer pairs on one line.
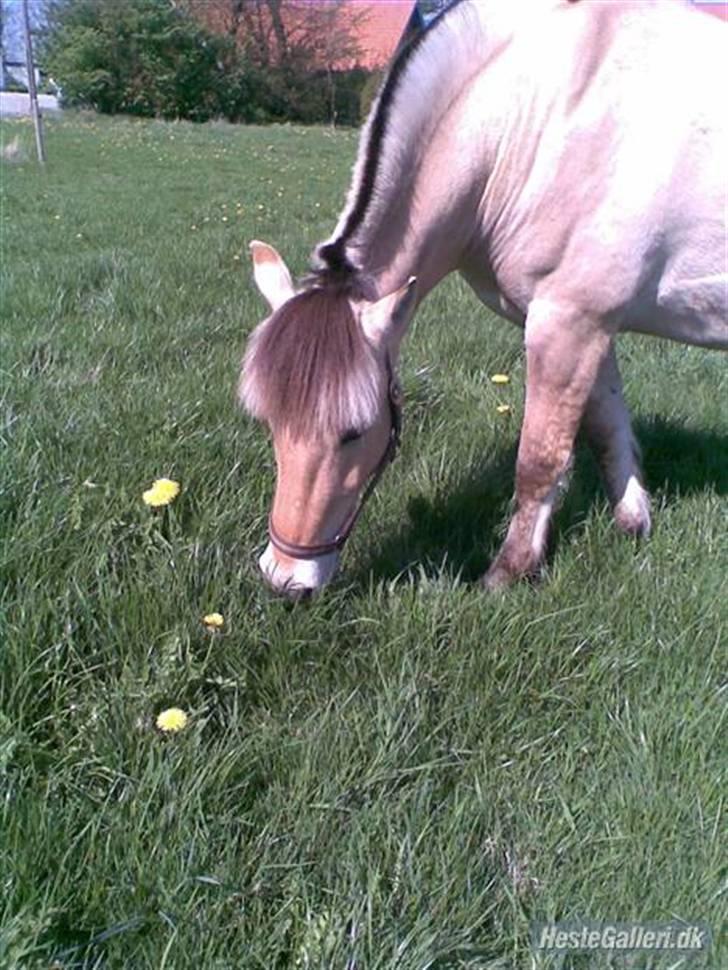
{"points": [[173, 719], [500, 378], [213, 621], [162, 492], [503, 408]]}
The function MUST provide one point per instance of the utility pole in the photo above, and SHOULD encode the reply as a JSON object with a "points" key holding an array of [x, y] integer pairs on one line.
{"points": [[32, 93], [2, 49]]}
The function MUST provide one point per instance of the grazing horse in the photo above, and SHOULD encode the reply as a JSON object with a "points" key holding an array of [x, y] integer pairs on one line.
{"points": [[569, 159]]}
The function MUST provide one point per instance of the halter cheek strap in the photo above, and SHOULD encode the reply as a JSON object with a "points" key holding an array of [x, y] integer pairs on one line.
{"points": [[299, 551]]}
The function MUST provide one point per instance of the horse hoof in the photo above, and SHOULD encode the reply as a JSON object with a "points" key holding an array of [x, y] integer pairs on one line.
{"points": [[497, 579], [632, 513]]}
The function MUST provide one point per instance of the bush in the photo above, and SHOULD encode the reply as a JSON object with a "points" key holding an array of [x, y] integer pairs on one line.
{"points": [[141, 57], [146, 57], [369, 91]]}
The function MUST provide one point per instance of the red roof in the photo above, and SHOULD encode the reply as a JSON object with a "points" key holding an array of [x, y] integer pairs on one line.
{"points": [[383, 23], [375, 27], [717, 9]]}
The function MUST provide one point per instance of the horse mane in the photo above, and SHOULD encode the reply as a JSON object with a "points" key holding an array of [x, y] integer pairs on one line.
{"points": [[372, 174], [309, 368]]}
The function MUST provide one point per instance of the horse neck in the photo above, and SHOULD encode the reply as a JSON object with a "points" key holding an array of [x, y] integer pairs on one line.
{"points": [[435, 156], [425, 226]]}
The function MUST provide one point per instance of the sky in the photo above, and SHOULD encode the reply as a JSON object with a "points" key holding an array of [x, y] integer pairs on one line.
{"points": [[13, 40]]}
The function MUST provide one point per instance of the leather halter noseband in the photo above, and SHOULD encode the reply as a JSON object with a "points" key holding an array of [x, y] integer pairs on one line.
{"points": [[299, 551]]}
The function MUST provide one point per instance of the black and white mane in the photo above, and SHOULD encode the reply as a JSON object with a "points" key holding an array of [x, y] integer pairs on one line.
{"points": [[428, 70]]}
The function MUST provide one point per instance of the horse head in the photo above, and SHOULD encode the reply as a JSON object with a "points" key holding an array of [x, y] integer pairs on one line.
{"points": [[320, 372]]}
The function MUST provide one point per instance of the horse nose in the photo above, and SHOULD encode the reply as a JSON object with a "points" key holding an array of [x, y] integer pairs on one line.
{"points": [[290, 591], [297, 580], [288, 587]]}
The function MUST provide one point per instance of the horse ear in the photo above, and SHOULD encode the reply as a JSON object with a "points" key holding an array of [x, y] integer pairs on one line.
{"points": [[387, 319], [271, 274]]}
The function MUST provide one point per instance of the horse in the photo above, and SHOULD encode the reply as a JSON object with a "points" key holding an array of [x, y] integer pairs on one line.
{"points": [[569, 159]]}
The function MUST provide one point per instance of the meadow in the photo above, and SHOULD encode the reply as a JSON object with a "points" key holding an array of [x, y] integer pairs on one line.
{"points": [[404, 773]]}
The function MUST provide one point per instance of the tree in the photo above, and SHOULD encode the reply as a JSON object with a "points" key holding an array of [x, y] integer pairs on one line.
{"points": [[279, 33], [301, 50], [140, 56], [247, 60]]}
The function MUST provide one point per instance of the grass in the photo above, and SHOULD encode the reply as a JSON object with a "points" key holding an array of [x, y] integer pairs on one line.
{"points": [[404, 773]]}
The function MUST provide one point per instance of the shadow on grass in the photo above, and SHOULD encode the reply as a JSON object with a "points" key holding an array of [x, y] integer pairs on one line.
{"points": [[463, 528]]}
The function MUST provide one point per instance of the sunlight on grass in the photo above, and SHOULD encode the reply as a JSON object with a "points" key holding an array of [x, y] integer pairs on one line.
{"points": [[402, 774]]}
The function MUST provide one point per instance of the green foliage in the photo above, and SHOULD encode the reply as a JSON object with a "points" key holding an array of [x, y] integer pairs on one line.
{"points": [[140, 57], [368, 92], [146, 57]]}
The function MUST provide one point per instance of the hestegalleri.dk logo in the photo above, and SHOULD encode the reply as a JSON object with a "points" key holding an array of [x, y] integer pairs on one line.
{"points": [[589, 936]]}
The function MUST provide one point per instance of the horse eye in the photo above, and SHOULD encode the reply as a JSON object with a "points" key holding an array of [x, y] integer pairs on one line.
{"points": [[351, 435]]}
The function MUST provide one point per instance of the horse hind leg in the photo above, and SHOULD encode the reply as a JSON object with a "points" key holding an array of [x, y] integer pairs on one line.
{"points": [[564, 354], [609, 431]]}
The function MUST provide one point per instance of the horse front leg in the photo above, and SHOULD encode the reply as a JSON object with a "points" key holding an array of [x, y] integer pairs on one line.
{"points": [[564, 352], [609, 432]]}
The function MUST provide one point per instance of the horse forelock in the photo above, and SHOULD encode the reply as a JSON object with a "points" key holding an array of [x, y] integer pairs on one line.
{"points": [[309, 369]]}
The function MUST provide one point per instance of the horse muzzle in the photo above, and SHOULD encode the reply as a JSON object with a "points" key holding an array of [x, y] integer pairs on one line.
{"points": [[297, 579]]}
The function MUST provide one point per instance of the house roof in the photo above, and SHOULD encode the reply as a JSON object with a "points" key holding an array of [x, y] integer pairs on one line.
{"points": [[383, 23], [718, 9], [374, 26]]}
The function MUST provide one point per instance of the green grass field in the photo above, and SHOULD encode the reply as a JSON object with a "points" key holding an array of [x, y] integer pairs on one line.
{"points": [[403, 773]]}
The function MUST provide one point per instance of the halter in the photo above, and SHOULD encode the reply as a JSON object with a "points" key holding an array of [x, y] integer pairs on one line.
{"points": [[298, 551]]}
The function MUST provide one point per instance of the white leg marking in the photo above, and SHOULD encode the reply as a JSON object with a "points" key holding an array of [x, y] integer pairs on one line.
{"points": [[543, 517], [632, 512]]}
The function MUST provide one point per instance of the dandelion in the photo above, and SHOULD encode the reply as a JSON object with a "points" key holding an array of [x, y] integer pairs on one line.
{"points": [[162, 492], [193, 228], [236, 257], [173, 719], [500, 378], [503, 408], [213, 621], [224, 218]]}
